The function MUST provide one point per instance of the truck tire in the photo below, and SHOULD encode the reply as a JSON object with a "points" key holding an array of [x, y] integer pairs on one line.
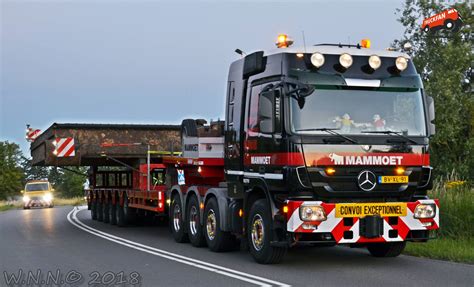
{"points": [[112, 213], [189, 128], [105, 210], [119, 214], [391, 249], [176, 220], [449, 24], [100, 212], [258, 235], [129, 213], [195, 230], [216, 239], [94, 209]]}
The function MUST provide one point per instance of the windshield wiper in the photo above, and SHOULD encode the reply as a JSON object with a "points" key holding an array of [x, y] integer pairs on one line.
{"points": [[331, 131], [391, 133]]}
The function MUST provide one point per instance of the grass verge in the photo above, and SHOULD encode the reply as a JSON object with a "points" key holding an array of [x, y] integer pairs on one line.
{"points": [[7, 205], [457, 250]]}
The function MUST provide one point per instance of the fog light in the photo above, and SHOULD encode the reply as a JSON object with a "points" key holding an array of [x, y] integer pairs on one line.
{"points": [[345, 60], [309, 226], [423, 211], [317, 59], [312, 213], [375, 62], [401, 63]]}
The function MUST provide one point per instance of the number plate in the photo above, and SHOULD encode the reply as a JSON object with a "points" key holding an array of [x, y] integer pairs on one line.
{"points": [[367, 209], [393, 179]]}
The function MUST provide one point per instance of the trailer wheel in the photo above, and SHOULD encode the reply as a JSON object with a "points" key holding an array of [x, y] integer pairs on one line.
{"points": [[119, 214], [105, 210], [258, 235], [391, 249], [94, 209], [195, 233], [129, 213], [176, 220], [112, 213], [100, 212], [217, 240]]}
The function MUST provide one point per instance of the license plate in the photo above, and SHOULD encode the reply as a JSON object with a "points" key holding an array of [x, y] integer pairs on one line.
{"points": [[368, 209], [393, 179]]}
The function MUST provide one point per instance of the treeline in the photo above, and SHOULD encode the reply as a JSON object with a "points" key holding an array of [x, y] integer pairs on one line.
{"points": [[16, 170]]}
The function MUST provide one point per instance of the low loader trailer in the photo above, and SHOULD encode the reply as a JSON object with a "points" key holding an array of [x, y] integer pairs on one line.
{"points": [[320, 145]]}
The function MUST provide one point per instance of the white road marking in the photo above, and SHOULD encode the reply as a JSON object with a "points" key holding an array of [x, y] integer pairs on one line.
{"points": [[253, 279]]}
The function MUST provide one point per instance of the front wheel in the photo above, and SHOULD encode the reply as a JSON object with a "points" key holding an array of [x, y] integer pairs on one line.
{"points": [[258, 235], [391, 249]]}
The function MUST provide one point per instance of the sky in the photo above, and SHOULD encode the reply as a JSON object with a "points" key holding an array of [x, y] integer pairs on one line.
{"points": [[152, 62]]}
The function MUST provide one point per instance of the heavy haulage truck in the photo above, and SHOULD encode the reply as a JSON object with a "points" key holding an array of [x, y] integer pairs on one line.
{"points": [[323, 145]]}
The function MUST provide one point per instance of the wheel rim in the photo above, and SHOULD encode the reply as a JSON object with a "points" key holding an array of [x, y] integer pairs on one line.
{"points": [[449, 25], [211, 224], [257, 232], [193, 220], [176, 217]]}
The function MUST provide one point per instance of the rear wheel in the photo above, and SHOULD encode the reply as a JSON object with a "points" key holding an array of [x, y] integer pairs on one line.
{"points": [[391, 249], [100, 212], [112, 213], [119, 214], [449, 24], [258, 235], [94, 209], [105, 210], [426, 29], [129, 213], [216, 239], [195, 233], [176, 220]]}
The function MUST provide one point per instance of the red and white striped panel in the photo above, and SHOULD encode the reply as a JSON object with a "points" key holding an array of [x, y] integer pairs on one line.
{"points": [[336, 226], [64, 147]]}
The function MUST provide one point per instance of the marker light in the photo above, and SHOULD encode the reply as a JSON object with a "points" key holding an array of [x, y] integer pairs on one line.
{"points": [[312, 213], [283, 41], [400, 170], [330, 171], [241, 212], [285, 209], [401, 63], [317, 59], [424, 211], [375, 62], [365, 43], [299, 55], [345, 60]]}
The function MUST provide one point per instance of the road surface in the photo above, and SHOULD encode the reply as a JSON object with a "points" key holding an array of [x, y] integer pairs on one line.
{"points": [[64, 244]]}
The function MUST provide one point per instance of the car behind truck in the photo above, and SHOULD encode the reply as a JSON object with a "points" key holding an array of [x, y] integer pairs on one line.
{"points": [[322, 145]]}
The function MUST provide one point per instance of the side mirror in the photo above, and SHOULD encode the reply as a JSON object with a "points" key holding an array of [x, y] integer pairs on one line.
{"points": [[431, 116], [266, 111], [253, 64]]}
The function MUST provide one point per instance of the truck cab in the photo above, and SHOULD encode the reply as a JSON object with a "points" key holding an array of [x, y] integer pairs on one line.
{"points": [[38, 193], [333, 141]]}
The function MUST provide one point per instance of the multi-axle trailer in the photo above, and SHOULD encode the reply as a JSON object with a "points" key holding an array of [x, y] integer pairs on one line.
{"points": [[322, 145]]}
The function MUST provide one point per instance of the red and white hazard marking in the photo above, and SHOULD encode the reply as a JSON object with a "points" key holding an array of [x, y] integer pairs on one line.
{"points": [[32, 134], [64, 147]]}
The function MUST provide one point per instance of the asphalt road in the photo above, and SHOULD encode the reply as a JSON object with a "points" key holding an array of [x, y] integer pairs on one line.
{"points": [[86, 252]]}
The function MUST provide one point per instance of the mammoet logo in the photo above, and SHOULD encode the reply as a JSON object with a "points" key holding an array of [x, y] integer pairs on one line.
{"points": [[260, 160], [365, 159]]}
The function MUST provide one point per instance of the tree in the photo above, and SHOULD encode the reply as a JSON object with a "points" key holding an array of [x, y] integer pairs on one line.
{"points": [[11, 173], [33, 172], [71, 181], [443, 59]]}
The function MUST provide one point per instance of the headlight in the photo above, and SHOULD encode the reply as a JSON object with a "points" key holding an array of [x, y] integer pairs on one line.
{"points": [[312, 213], [48, 197], [401, 63], [345, 60], [424, 211], [26, 198], [375, 62], [317, 59]]}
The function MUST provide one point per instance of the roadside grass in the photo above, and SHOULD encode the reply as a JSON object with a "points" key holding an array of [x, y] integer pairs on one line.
{"points": [[18, 204], [456, 233]]}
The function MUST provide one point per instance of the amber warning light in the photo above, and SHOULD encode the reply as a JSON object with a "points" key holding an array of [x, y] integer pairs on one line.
{"points": [[283, 41]]}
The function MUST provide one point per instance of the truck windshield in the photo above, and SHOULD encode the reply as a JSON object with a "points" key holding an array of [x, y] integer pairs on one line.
{"points": [[37, 187], [355, 111]]}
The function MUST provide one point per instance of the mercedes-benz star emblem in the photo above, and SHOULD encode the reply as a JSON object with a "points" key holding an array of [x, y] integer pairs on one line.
{"points": [[367, 180]]}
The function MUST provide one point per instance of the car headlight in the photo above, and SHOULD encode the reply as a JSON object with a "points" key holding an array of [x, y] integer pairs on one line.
{"points": [[48, 197], [26, 198], [312, 213], [425, 211], [401, 63], [317, 59], [345, 60]]}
